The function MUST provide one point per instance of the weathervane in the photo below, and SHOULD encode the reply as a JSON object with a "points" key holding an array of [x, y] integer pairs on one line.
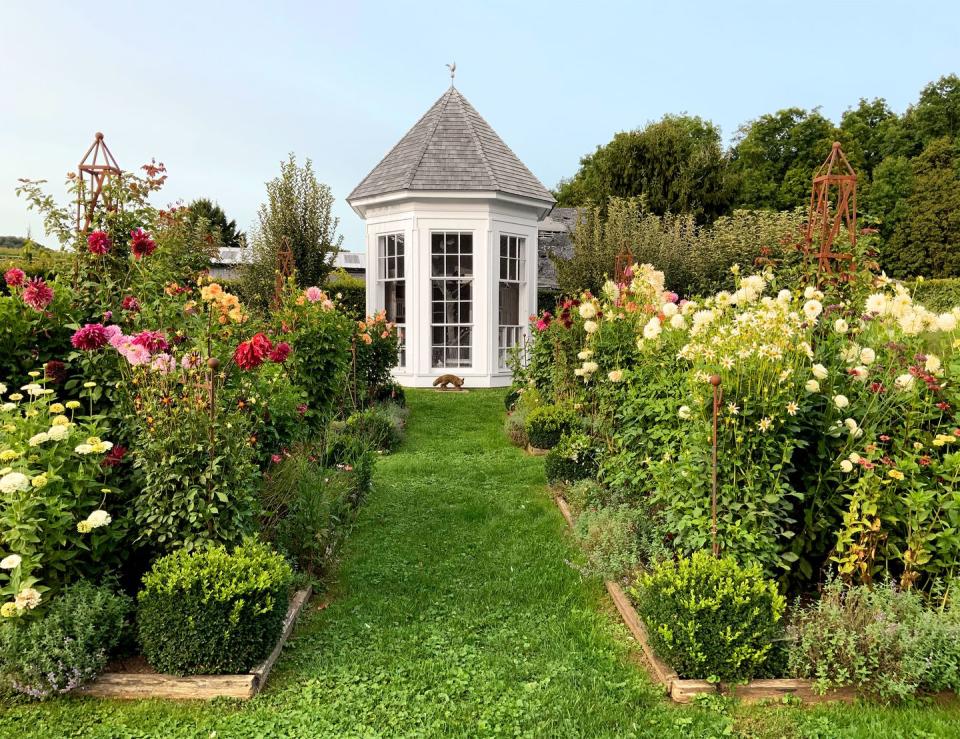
{"points": [[453, 71]]}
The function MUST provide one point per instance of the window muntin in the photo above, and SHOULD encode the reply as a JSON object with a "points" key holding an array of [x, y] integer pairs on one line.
{"points": [[390, 254], [451, 299], [511, 262]]}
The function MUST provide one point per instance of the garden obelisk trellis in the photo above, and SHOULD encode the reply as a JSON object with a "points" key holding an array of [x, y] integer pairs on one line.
{"points": [[96, 169], [833, 180]]}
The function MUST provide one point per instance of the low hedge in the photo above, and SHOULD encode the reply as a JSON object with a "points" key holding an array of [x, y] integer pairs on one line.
{"points": [[212, 611], [940, 295], [546, 424], [710, 618], [573, 458]]}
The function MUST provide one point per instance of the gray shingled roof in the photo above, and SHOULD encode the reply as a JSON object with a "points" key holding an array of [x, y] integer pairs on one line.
{"points": [[451, 148]]}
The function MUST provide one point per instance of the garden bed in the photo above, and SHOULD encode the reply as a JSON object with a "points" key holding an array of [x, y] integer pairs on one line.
{"points": [[682, 690], [136, 680]]}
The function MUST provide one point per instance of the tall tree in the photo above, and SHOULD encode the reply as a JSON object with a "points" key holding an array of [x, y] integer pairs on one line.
{"points": [[676, 165], [926, 239], [775, 156], [216, 222], [299, 208]]}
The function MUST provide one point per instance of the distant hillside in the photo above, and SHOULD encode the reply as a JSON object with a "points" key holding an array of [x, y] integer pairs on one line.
{"points": [[18, 242]]}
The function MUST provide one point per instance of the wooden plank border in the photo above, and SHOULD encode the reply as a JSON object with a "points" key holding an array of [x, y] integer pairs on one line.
{"points": [[684, 691], [136, 685]]}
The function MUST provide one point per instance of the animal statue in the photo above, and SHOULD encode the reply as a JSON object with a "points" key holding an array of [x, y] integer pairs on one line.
{"points": [[444, 381]]}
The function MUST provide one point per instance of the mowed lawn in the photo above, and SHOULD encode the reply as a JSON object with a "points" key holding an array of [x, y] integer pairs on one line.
{"points": [[456, 611]]}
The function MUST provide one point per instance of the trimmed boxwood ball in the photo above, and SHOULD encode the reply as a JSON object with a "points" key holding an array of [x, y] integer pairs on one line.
{"points": [[547, 423], [213, 611], [709, 617], [572, 459]]}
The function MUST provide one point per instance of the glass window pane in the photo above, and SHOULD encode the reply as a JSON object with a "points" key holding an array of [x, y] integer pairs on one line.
{"points": [[451, 243], [466, 243], [436, 266], [466, 265], [436, 243], [451, 266], [400, 264]]}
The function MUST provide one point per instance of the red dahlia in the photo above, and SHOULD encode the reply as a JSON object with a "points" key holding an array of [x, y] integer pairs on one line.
{"points": [[250, 354], [115, 456], [55, 371], [90, 337], [141, 244], [280, 352], [131, 304], [98, 242]]}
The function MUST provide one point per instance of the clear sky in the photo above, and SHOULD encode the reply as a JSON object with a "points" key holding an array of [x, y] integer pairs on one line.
{"points": [[221, 92]]}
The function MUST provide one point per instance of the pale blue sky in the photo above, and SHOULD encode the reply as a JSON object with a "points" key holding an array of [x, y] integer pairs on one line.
{"points": [[221, 92]]}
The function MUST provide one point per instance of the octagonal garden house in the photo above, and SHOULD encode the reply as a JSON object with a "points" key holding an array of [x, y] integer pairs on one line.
{"points": [[451, 233]]}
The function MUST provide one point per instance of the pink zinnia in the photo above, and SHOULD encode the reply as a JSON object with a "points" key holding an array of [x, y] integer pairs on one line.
{"points": [[314, 294], [90, 337], [98, 242], [14, 277], [152, 341], [37, 294], [280, 352], [141, 244]]}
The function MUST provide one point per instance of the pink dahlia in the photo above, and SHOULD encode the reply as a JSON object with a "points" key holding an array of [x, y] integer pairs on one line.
{"points": [[152, 341], [314, 294], [37, 294], [90, 337], [98, 242], [141, 244], [14, 277]]}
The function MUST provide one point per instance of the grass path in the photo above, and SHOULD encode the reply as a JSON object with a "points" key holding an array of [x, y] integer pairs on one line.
{"points": [[456, 613]]}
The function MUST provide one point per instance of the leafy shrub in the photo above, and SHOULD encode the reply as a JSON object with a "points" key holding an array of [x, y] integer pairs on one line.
{"points": [[213, 611], [574, 458], [52, 484], [511, 398], [586, 493], [391, 392], [381, 425], [307, 508], [710, 617], [546, 424], [376, 352], [885, 642], [610, 538], [350, 293], [515, 427], [68, 645], [939, 295]]}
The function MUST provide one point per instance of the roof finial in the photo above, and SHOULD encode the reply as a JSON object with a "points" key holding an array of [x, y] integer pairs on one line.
{"points": [[453, 71]]}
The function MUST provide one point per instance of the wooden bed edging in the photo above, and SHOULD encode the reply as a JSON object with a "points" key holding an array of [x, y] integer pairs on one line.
{"points": [[134, 685], [684, 691]]}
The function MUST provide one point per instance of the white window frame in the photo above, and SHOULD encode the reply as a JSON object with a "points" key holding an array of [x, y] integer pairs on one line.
{"points": [[511, 270], [463, 331], [391, 269]]}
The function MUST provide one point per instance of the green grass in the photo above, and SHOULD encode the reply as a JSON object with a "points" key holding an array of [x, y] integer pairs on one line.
{"points": [[456, 613]]}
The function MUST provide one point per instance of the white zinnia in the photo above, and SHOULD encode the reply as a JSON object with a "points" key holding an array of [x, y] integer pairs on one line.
{"points": [[867, 355], [840, 326], [10, 562], [99, 518], [14, 482], [841, 401], [812, 386], [58, 433], [904, 382], [38, 439], [812, 309], [684, 412], [819, 371], [846, 465]]}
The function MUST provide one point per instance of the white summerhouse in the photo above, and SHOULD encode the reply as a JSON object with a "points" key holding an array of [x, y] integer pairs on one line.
{"points": [[451, 234]]}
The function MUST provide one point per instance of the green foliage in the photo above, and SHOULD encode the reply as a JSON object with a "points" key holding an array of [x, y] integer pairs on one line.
{"points": [[887, 643], [940, 295], [307, 509], [68, 645], [213, 220], [695, 259], [676, 165], [322, 339], [213, 611], [49, 489], [585, 494], [610, 539], [375, 353], [381, 426], [350, 293], [572, 459], [515, 427], [546, 424], [298, 209], [710, 617]]}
